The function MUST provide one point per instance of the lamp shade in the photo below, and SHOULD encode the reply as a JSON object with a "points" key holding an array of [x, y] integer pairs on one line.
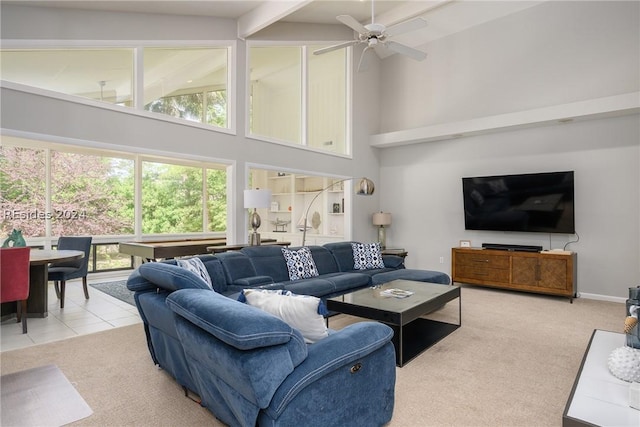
{"points": [[257, 198], [381, 218]]}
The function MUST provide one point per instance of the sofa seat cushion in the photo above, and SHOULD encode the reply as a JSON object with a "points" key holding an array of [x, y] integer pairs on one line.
{"points": [[317, 287], [346, 281], [411, 274], [373, 271]]}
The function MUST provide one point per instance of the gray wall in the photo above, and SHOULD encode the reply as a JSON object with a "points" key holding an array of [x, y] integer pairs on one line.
{"points": [[555, 53]]}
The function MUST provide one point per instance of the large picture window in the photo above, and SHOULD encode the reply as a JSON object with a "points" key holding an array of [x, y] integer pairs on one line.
{"points": [[91, 194], [51, 190], [23, 183]]}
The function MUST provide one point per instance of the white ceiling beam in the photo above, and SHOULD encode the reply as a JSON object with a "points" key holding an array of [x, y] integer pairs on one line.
{"points": [[266, 14], [408, 10]]}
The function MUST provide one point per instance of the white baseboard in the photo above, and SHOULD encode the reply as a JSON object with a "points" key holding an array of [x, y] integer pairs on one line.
{"points": [[602, 297]]}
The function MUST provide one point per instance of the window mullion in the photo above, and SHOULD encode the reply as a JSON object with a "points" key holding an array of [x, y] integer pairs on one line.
{"points": [[205, 202], [47, 198], [138, 78], [304, 138]]}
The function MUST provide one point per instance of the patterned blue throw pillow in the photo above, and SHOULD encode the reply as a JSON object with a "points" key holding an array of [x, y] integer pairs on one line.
{"points": [[367, 256], [300, 263]]}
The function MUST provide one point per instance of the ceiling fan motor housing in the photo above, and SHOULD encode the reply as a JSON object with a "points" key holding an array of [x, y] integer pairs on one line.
{"points": [[375, 28]]}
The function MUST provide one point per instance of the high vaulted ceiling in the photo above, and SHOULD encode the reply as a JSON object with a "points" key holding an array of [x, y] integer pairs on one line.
{"points": [[444, 17]]}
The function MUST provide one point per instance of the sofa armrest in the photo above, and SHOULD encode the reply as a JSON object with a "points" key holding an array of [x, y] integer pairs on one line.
{"points": [[346, 351], [137, 283], [171, 277], [393, 261], [253, 281], [236, 324]]}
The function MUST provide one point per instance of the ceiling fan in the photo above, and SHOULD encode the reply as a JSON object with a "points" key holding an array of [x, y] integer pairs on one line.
{"points": [[376, 36]]}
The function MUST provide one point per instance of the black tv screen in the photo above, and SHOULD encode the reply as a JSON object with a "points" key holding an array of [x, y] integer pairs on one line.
{"points": [[536, 202]]}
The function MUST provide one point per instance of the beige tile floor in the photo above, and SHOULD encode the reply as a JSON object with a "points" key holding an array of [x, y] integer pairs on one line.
{"points": [[78, 317]]}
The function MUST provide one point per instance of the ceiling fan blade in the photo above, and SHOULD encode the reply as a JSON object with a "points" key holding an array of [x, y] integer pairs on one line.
{"points": [[335, 47], [405, 50], [406, 26], [365, 59], [351, 22]]}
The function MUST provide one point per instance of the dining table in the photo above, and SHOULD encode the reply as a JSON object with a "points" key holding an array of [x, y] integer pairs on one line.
{"points": [[39, 260]]}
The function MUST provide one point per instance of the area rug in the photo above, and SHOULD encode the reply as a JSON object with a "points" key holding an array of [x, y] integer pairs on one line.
{"points": [[117, 289], [41, 397]]}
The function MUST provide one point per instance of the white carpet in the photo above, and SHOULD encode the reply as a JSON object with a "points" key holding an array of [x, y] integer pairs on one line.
{"points": [[40, 397]]}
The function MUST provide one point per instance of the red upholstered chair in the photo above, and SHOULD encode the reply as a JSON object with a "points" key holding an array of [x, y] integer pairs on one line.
{"points": [[14, 279]]}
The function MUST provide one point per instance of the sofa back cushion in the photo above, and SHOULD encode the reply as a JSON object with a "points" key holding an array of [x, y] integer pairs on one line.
{"points": [[236, 266], [268, 261], [343, 254], [325, 262]]}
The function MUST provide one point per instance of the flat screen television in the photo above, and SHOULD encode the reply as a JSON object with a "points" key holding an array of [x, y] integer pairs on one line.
{"points": [[532, 202]]}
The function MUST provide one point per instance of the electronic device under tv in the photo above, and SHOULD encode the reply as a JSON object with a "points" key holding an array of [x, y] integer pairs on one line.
{"points": [[532, 202]]}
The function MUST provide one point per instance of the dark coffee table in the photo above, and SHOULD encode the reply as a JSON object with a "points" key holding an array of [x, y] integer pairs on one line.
{"points": [[412, 333]]}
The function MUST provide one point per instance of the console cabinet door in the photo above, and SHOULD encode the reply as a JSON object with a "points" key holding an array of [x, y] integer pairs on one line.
{"points": [[539, 271], [525, 271]]}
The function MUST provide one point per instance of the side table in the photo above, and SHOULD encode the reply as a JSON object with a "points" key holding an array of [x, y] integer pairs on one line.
{"points": [[597, 397], [396, 251]]}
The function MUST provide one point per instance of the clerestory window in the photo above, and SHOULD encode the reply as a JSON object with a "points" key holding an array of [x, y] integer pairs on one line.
{"points": [[299, 98], [188, 83]]}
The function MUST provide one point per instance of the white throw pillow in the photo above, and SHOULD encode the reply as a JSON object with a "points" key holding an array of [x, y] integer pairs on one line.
{"points": [[300, 263], [367, 256], [302, 312]]}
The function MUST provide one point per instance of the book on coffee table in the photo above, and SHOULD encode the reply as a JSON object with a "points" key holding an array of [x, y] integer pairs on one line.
{"points": [[396, 293]]}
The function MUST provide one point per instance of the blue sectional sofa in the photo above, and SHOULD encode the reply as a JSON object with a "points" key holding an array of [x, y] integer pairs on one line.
{"points": [[197, 336]]}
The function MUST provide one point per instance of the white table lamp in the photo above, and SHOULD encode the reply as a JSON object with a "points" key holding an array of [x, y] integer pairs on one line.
{"points": [[256, 199], [382, 219]]}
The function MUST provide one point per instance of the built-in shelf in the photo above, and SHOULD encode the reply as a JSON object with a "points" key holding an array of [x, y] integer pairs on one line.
{"points": [[618, 105]]}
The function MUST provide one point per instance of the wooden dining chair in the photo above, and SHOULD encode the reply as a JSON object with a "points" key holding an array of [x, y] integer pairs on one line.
{"points": [[60, 272], [14, 280]]}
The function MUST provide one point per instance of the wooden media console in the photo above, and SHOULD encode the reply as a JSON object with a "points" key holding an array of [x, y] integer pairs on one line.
{"points": [[546, 272]]}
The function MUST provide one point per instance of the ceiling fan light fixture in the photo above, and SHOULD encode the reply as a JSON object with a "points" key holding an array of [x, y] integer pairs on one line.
{"points": [[375, 34]]}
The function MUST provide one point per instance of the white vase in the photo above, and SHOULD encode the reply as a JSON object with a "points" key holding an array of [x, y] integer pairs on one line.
{"points": [[624, 363]]}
